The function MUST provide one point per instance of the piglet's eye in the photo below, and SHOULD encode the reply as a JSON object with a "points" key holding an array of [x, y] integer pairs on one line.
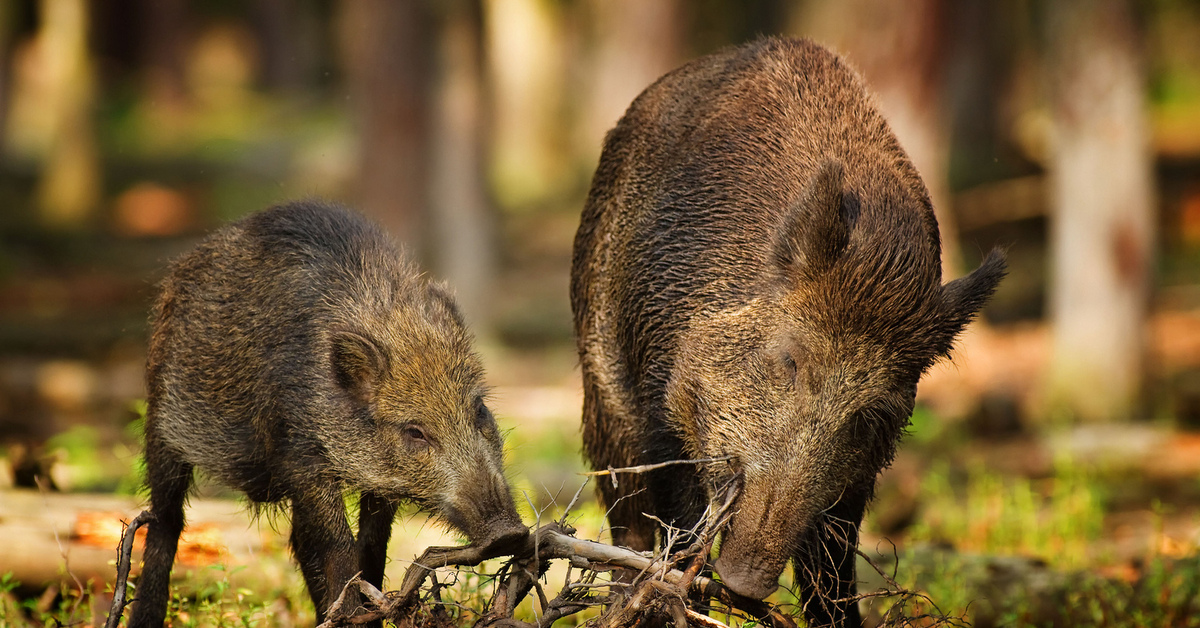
{"points": [[416, 436]]}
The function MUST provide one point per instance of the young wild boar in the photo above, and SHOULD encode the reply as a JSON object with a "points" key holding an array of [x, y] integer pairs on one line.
{"points": [[757, 275], [296, 355]]}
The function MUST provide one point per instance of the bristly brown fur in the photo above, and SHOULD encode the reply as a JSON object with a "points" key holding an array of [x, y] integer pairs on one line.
{"points": [[296, 355], [757, 273]]}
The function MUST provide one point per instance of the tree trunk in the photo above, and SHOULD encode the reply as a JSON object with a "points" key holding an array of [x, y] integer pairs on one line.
{"points": [[287, 31], [387, 55], [633, 42], [166, 37], [7, 28], [901, 49], [69, 188], [526, 68], [1102, 197], [463, 225]]}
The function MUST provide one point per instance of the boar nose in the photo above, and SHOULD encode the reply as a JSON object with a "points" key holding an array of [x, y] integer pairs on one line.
{"points": [[505, 538], [495, 524], [747, 578], [502, 525], [756, 544]]}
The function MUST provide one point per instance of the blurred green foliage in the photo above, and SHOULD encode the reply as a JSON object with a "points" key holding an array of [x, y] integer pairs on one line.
{"points": [[1058, 518]]}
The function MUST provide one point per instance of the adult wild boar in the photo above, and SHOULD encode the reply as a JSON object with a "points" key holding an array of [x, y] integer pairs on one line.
{"points": [[296, 355], [757, 274]]}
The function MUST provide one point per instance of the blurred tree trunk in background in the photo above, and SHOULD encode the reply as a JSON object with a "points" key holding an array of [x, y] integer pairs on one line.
{"points": [[387, 48], [526, 68], [165, 33], [633, 42], [7, 28], [416, 76], [1102, 198], [901, 49], [69, 188], [288, 32], [462, 223]]}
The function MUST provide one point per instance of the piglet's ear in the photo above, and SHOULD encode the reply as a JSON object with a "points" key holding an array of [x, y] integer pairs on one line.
{"points": [[815, 231], [358, 364], [965, 296]]}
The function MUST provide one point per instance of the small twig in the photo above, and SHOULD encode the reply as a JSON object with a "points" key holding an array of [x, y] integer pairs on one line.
{"points": [[708, 536], [541, 593], [124, 560], [596, 585], [567, 511], [525, 565], [643, 468]]}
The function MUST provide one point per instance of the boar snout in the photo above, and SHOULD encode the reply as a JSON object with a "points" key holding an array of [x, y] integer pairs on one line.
{"points": [[505, 538], [747, 578], [502, 531], [759, 539], [484, 510]]}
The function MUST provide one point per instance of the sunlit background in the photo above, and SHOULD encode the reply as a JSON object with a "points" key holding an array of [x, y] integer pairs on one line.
{"points": [[1064, 437]]}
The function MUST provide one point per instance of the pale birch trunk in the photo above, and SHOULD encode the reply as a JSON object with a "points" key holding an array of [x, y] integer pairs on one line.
{"points": [[1103, 201]]}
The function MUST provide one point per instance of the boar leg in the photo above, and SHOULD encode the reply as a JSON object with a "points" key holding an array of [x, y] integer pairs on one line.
{"points": [[609, 442], [678, 502], [625, 504], [375, 515], [169, 479], [825, 572], [323, 545]]}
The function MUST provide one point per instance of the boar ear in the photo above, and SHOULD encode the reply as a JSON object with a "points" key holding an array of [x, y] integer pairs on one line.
{"points": [[358, 363], [965, 296], [815, 231]]}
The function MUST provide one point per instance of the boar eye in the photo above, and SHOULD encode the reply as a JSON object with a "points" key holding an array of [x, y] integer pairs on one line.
{"points": [[415, 436], [789, 366]]}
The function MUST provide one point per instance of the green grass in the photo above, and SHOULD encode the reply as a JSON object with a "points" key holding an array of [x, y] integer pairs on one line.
{"points": [[1059, 518], [1031, 552], [1056, 521], [220, 605]]}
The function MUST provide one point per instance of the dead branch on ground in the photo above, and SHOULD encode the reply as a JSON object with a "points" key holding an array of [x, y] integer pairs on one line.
{"points": [[553, 542], [124, 559], [644, 585], [664, 588]]}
